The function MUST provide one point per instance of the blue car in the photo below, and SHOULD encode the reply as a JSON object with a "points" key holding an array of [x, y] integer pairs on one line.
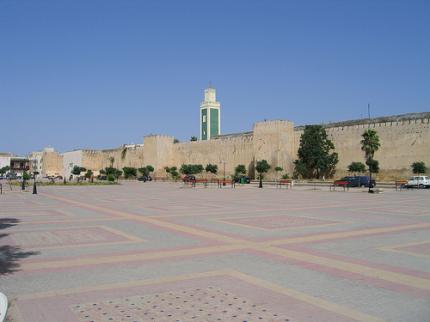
{"points": [[359, 181]]}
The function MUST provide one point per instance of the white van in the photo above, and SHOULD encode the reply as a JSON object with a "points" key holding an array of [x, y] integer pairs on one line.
{"points": [[418, 182]]}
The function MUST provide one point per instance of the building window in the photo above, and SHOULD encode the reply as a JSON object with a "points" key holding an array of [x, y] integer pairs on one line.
{"points": [[204, 118]]}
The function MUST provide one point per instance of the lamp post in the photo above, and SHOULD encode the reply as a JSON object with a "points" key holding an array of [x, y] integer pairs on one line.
{"points": [[223, 183], [35, 173]]}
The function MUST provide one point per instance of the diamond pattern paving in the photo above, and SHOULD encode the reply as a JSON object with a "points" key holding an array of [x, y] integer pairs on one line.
{"points": [[211, 304], [161, 252]]}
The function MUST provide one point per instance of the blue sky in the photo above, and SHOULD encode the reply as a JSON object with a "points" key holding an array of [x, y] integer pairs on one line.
{"points": [[97, 74]]}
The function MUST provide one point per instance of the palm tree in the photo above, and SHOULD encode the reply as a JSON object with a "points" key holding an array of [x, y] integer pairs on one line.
{"points": [[370, 144]]}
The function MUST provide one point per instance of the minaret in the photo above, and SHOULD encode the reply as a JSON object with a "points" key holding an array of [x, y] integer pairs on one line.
{"points": [[210, 115]]}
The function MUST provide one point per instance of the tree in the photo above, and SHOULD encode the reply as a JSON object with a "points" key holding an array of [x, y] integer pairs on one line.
{"points": [[212, 168], [239, 170], [189, 169], [373, 165], [185, 169], [4, 170], [129, 172], [117, 174], [112, 172], [262, 167], [370, 144], [193, 138], [419, 167], [357, 167], [150, 168], [144, 171], [111, 161], [197, 168], [316, 158], [77, 171], [173, 171], [25, 176], [89, 175], [175, 141]]}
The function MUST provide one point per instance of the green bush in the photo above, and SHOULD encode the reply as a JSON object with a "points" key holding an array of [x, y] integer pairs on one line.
{"points": [[129, 172], [111, 177], [419, 167]]}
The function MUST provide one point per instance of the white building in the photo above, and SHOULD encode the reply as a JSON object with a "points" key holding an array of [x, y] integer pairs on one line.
{"points": [[71, 159], [5, 159]]}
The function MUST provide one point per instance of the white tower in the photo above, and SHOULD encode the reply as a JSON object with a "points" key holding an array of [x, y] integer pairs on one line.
{"points": [[210, 115]]}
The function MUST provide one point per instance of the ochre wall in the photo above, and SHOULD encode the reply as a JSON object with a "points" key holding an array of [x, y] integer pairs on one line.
{"points": [[52, 164], [404, 139], [402, 143], [231, 150]]}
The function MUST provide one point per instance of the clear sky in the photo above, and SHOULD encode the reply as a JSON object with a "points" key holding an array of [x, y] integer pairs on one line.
{"points": [[100, 73]]}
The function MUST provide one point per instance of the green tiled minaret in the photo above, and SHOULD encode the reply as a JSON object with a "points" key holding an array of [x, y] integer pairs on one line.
{"points": [[210, 115]]}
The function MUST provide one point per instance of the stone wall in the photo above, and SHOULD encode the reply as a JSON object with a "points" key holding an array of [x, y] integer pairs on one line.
{"points": [[52, 164], [225, 151], [404, 139]]}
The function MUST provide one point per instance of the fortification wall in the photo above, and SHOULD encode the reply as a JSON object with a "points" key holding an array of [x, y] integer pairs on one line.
{"points": [[52, 164], [158, 151], [403, 141], [229, 150], [96, 160], [274, 142]]}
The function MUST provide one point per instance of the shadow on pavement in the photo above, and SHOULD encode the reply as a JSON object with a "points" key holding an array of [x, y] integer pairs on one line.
{"points": [[10, 255]]}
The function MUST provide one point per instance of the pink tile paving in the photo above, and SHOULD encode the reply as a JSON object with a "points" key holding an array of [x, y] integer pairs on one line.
{"points": [[211, 299], [159, 252], [420, 249], [277, 222], [64, 237]]}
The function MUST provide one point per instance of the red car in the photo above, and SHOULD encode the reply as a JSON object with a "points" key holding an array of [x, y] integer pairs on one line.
{"points": [[189, 178]]}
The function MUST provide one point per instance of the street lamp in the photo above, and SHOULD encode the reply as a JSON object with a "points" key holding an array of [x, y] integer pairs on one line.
{"points": [[224, 172], [23, 183], [35, 173]]}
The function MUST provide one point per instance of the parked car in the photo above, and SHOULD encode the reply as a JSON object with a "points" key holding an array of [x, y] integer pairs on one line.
{"points": [[189, 178], [359, 181], [145, 178], [102, 177], [242, 179], [418, 182]]}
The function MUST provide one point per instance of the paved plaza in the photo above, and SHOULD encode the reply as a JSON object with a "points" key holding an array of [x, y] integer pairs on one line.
{"points": [[164, 252]]}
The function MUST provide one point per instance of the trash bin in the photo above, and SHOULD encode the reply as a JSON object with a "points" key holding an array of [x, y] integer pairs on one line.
{"points": [[242, 180]]}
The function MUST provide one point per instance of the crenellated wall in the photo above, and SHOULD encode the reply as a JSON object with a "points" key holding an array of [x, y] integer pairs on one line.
{"points": [[228, 151], [404, 139]]}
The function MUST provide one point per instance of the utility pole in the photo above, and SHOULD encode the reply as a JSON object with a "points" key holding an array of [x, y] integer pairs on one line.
{"points": [[370, 170]]}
